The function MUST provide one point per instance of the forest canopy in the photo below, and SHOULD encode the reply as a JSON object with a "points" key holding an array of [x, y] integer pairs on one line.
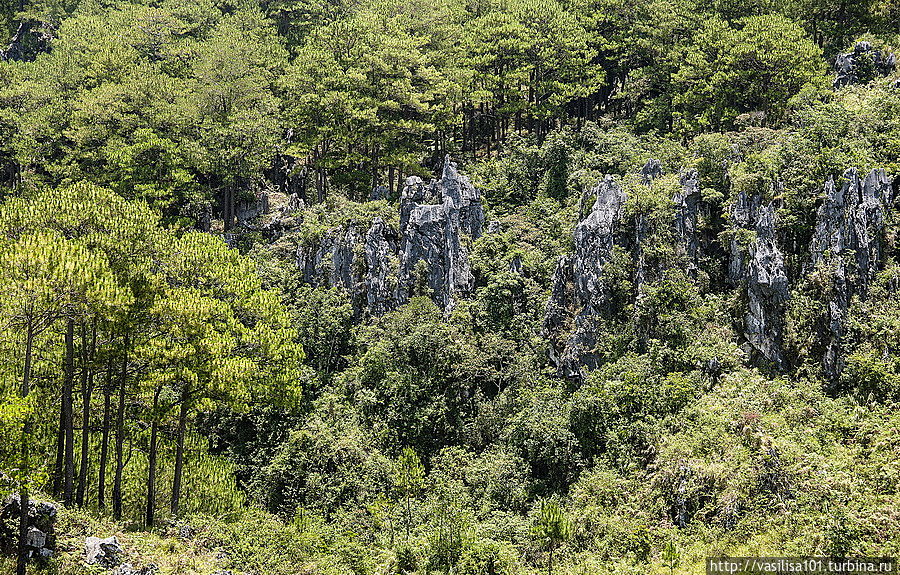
{"points": [[476, 287]]}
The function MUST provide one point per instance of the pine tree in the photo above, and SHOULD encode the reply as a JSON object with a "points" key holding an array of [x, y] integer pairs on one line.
{"points": [[45, 278]]}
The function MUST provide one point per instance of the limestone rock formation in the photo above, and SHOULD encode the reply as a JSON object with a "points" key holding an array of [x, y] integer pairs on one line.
{"points": [[578, 287], [333, 262], [580, 298], [433, 234], [863, 64], [382, 267], [687, 218], [847, 244], [651, 170], [246, 210], [757, 264], [41, 540], [381, 282]]}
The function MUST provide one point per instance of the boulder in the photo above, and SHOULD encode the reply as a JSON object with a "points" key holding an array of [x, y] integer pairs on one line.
{"points": [[128, 569], [104, 552], [41, 538]]}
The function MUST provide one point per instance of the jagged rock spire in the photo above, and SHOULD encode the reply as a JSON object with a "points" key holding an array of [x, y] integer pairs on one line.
{"points": [[847, 241], [381, 266]]}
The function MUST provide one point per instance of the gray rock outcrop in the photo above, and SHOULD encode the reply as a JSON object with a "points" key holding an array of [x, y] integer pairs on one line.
{"points": [[104, 552], [381, 281], [757, 264], [687, 219], [382, 267], [651, 170], [580, 297], [847, 245], [332, 261], [863, 64], [578, 287], [434, 235], [246, 210], [41, 538], [846, 249]]}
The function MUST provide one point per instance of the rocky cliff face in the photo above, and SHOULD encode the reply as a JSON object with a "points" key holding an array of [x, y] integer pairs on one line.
{"points": [[578, 283], [578, 286], [847, 246], [756, 264], [382, 267], [737, 247]]}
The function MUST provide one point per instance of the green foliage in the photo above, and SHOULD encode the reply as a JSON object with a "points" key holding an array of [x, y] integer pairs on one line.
{"points": [[551, 528], [322, 319], [871, 364], [429, 440], [171, 112], [198, 327], [537, 428], [409, 476], [327, 466], [410, 380], [756, 67], [487, 556]]}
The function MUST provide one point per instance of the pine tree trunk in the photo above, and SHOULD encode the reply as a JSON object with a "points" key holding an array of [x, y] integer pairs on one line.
{"points": [[179, 454], [60, 453], [104, 442], [26, 437], [151, 462], [87, 388], [68, 416], [120, 434], [232, 212]]}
